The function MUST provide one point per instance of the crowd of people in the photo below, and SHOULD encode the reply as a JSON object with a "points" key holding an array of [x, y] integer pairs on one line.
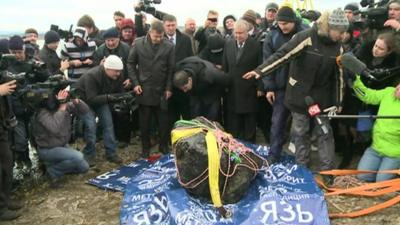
{"points": [[254, 73]]}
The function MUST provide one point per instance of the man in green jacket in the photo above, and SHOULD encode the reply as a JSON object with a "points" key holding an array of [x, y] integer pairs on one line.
{"points": [[384, 153]]}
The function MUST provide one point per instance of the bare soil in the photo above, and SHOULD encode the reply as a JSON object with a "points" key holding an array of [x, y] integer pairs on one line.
{"points": [[78, 203]]}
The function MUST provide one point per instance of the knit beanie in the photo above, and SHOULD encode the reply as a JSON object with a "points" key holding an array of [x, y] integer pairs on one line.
{"points": [[286, 14], [31, 31], [51, 37], [113, 62], [338, 20], [81, 33], [111, 33], [250, 16], [4, 49], [272, 5], [127, 23], [16, 43], [226, 18], [215, 43], [351, 6]]}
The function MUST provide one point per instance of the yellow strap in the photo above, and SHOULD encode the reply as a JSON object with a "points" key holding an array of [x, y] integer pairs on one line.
{"points": [[213, 168], [183, 133]]}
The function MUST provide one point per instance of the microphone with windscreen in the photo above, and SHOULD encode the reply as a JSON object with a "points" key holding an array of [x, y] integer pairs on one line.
{"points": [[314, 111], [350, 62]]}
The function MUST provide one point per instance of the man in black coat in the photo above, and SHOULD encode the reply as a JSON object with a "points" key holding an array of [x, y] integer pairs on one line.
{"points": [[204, 83], [275, 84], [23, 64], [313, 72], [7, 206], [97, 88], [114, 46], [242, 54], [183, 48], [49, 55], [151, 64]]}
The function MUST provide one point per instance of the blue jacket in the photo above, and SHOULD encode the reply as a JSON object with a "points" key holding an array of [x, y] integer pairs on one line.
{"points": [[273, 41]]}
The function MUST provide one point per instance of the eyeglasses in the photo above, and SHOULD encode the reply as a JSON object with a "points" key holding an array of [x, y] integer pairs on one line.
{"points": [[213, 19]]}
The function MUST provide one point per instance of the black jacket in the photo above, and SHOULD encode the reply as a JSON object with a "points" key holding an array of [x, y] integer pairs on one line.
{"points": [[390, 61], [94, 86], [208, 81], [50, 57], [40, 75], [151, 67], [313, 70], [242, 95], [121, 51]]}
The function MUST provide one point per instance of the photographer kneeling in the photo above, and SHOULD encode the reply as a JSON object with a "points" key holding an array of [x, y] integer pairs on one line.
{"points": [[52, 131], [384, 153]]}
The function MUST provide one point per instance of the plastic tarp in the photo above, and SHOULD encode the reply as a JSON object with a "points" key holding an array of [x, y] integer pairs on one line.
{"points": [[283, 194]]}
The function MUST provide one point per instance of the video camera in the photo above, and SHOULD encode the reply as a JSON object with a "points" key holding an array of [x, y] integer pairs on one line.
{"points": [[35, 95], [124, 102], [374, 16], [147, 6], [64, 34]]}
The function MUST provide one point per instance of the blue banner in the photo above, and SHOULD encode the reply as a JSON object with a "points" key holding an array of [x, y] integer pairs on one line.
{"points": [[285, 193]]}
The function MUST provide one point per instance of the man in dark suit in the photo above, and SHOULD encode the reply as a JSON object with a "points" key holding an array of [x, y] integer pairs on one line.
{"points": [[183, 48], [204, 83], [151, 65], [242, 54]]}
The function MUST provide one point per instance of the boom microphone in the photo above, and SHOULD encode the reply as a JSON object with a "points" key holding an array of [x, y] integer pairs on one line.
{"points": [[350, 62], [314, 111]]}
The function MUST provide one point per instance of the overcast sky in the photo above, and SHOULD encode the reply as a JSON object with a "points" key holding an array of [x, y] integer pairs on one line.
{"points": [[17, 15]]}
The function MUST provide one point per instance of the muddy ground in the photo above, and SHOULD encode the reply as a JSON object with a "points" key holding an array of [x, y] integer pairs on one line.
{"points": [[78, 203]]}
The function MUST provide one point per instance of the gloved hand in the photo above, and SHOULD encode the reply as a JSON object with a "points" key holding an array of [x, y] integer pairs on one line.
{"points": [[112, 98]]}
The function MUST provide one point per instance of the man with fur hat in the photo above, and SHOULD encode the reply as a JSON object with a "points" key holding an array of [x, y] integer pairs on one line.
{"points": [[127, 31], [228, 22], [49, 55], [98, 88], [288, 24], [313, 73], [79, 53]]}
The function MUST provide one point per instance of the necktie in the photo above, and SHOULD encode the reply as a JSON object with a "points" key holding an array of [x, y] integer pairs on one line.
{"points": [[172, 40], [240, 50]]}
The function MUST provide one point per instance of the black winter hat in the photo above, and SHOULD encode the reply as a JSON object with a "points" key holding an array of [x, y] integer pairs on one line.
{"points": [[272, 5], [4, 49], [351, 6], [228, 17], [215, 43], [111, 33], [16, 43], [51, 37], [286, 14]]}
